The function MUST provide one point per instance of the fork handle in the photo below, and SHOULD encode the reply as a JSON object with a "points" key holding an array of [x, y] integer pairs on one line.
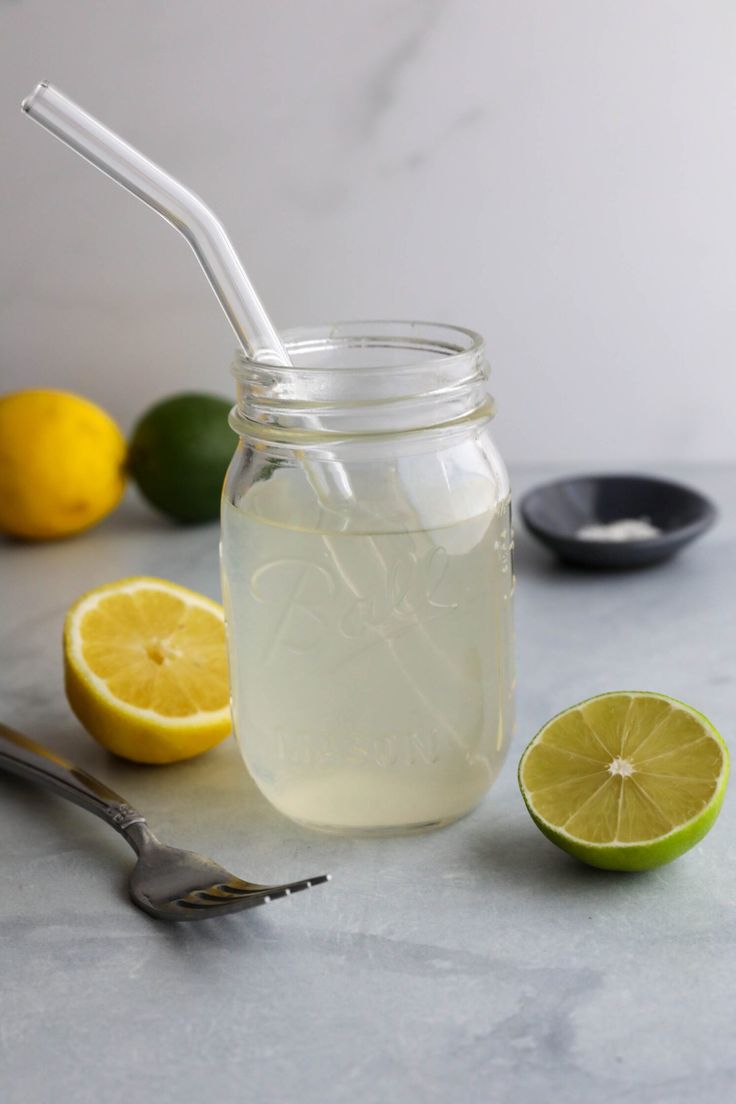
{"points": [[32, 761]]}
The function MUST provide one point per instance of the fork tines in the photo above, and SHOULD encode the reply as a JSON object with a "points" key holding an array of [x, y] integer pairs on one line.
{"points": [[244, 894]]}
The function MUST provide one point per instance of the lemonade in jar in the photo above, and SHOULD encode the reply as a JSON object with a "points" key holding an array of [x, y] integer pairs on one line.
{"points": [[367, 577]]}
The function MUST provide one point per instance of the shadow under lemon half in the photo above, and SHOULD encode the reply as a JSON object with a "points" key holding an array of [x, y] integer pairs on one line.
{"points": [[145, 667]]}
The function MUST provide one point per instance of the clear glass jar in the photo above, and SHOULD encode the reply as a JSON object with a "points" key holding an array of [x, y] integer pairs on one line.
{"points": [[367, 577]]}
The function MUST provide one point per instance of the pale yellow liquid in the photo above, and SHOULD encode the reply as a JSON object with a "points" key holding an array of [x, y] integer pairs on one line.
{"points": [[371, 671]]}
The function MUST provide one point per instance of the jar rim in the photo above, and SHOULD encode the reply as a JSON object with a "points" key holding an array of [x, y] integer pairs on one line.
{"points": [[364, 377], [376, 333]]}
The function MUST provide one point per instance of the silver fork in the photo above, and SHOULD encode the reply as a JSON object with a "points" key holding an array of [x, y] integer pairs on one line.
{"points": [[165, 882]]}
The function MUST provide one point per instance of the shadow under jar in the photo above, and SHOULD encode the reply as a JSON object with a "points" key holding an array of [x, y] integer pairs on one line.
{"points": [[367, 577]]}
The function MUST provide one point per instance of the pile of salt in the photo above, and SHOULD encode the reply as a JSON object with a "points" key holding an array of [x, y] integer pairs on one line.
{"points": [[626, 529]]}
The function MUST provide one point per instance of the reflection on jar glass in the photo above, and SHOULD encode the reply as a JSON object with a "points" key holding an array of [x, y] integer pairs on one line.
{"points": [[367, 577]]}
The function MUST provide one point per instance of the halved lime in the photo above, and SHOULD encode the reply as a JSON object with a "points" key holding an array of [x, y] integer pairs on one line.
{"points": [[625, 781]]}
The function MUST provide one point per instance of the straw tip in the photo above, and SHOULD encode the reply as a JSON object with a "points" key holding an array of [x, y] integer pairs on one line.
{"points": [[27, 103]]}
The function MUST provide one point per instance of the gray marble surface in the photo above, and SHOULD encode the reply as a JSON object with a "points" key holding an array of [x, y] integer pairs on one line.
{"points": [[473, 964]]}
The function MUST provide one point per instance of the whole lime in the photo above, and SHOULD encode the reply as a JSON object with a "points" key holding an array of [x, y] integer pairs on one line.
{"points": [[179, 452]]}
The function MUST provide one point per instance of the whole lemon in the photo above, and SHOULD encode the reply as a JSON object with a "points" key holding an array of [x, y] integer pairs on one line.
{"points": [[62, 464]]}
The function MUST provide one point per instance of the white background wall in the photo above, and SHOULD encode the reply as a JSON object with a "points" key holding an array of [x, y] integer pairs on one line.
{"points": [[558, 174]]}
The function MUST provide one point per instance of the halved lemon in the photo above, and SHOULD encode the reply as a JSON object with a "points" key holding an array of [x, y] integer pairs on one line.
{"points": [[625, 781], [145, 668]]}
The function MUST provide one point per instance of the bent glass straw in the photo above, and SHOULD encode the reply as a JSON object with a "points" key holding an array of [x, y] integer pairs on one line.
{"points": [[181, 208], [205, 233]]}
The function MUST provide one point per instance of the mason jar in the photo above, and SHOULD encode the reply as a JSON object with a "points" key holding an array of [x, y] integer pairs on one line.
{"points": [[367, 577]]}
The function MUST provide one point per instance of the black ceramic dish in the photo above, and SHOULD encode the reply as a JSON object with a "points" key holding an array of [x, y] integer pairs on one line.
{"points": [[556, 511]]}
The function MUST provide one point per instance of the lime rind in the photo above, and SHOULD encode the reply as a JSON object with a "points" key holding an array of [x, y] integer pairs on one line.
{"points": [[635, 856]]}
